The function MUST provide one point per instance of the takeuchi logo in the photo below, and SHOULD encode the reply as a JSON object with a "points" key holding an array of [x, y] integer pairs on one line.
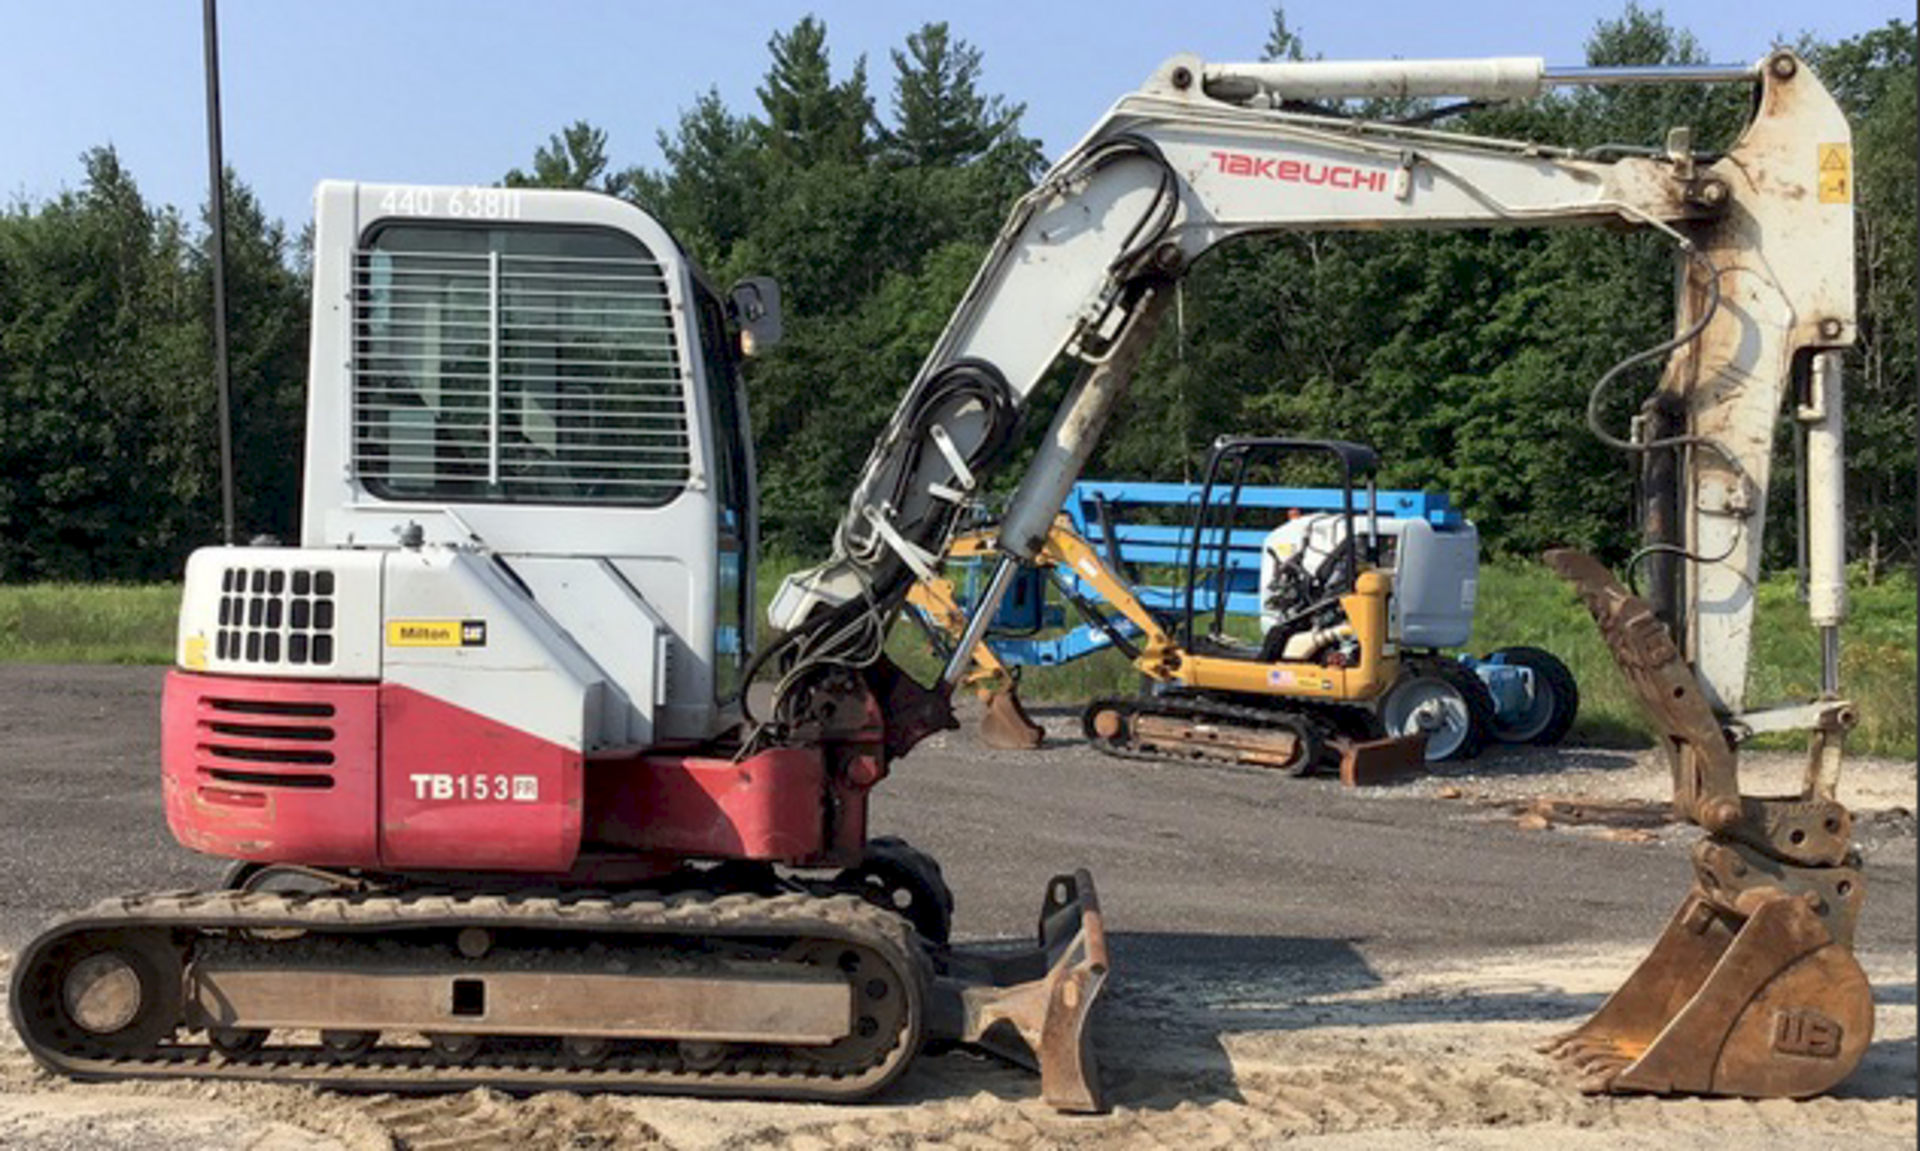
{"points": [[1300, 171]]}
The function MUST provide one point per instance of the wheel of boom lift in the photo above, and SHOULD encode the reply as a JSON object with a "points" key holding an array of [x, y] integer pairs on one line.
{"points": [[1446, 700], [1552, 704], [905, 880]]}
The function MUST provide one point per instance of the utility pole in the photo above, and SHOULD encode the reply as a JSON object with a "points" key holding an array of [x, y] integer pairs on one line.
{"points": [[216, 180]]}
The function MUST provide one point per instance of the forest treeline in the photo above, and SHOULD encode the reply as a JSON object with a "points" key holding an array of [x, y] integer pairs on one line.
{"points": [[1466, 358]]}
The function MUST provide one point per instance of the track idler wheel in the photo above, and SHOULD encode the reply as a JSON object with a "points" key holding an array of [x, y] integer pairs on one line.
{"points": [[113, 993], [1763, 1005]]}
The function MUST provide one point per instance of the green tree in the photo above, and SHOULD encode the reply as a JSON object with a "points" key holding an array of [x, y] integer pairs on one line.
{"points": [[811, 119], [108, 441], [1283, 41], [267, 334], [941, 117], [574, 157], [79, 419], [710, 190]]}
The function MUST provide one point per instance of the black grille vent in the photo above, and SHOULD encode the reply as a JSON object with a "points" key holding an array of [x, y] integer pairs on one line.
{"points": [[272, 615], [268, 743]]}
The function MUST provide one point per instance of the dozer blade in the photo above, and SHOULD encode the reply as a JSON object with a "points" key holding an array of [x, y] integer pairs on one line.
{"points": [[1007, 725], [1371, 762], [1035, 1007], [1762, 1005]]}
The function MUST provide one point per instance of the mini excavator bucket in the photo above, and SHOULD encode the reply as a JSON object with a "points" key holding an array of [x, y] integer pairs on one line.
{"points": [[1035, 1007], [1006, 724], [1761, 1005], [1753, 990]]}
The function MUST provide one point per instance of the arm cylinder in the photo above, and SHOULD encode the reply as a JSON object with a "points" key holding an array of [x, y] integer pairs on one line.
{"points": [[1826, 513], [1493, 78], [1498, 78], [1651, 74]]}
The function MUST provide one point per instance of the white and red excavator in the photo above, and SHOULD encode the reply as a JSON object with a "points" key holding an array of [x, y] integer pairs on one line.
{"points": [[481, 742]]}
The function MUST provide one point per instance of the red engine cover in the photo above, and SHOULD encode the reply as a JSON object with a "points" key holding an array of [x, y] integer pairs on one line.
{"points": [[271, 769], [459, 791], [385, 777], [361, 775]]}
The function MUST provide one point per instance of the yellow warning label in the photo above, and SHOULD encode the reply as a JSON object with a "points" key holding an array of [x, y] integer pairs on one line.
{"points": [[423, 633], [1836, 174], [194, 653]]}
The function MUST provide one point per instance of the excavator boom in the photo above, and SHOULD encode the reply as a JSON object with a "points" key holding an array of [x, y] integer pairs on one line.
{"points": [[1754, 990]]}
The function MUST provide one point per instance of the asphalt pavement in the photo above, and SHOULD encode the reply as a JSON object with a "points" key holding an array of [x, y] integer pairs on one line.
{"points": [[1192, 864]]}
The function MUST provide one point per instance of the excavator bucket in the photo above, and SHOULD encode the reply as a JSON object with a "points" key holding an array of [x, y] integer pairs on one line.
{"points": [[1006, 724], [1753, 990], [1035, 1007], [1767, 1005]]}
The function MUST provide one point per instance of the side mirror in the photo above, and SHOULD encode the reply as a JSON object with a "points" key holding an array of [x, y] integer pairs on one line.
{"points": [[755, 305]]}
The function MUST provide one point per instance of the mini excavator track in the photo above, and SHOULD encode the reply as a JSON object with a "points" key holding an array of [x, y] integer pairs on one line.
{"points": [[791, 995], [1176, 728]]}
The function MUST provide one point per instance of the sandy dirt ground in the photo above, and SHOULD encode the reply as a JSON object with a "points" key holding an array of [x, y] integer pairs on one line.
{"points": [[1437, 1057], [1216, 1031]]}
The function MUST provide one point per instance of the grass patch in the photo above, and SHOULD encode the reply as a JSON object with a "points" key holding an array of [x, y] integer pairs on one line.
{"points": [[1519, 603], [88, 623], [1525, 603]]}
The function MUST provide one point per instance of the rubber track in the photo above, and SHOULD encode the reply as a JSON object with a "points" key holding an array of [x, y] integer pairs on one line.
{"points": [[1324, 718], [757, 1071]]}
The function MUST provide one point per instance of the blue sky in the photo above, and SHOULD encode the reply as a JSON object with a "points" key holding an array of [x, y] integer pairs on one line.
{"points": [[444, 92]]}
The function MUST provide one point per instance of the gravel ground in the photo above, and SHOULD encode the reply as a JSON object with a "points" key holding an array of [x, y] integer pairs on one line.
{"points": [[1293, 961]]}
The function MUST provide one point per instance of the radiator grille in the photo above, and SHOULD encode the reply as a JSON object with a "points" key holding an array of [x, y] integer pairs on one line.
{"points": [[264, 743], [490, 376], [276, 615]]}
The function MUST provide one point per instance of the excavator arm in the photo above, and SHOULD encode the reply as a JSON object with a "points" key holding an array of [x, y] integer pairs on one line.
{"points": [[1754, 990]]}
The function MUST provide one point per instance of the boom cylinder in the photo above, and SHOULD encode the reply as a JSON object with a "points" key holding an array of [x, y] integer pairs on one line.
{"points": [[1074, 432]]}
